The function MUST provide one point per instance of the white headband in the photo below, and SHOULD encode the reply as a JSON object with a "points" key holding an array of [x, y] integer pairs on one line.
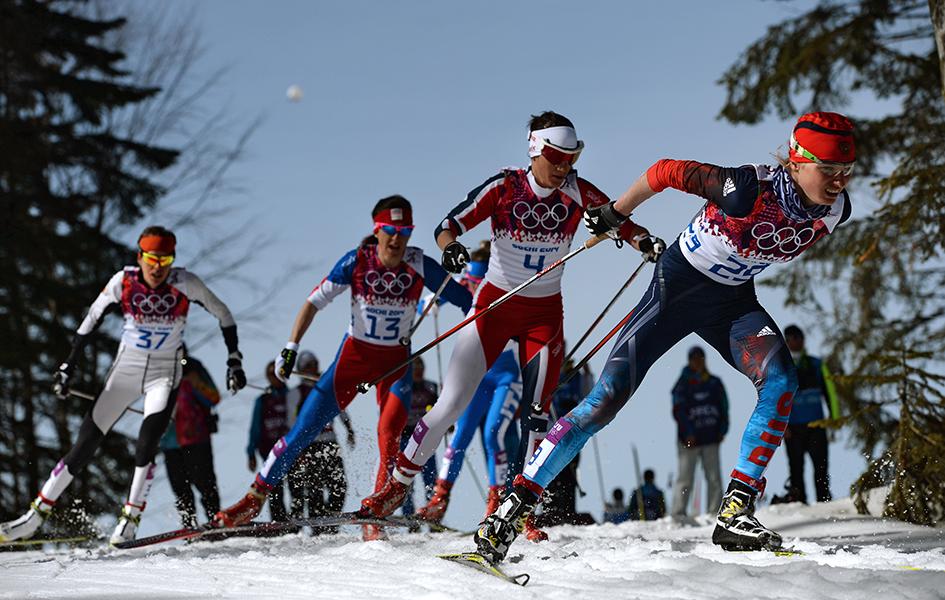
{"points": [[562, 137]]}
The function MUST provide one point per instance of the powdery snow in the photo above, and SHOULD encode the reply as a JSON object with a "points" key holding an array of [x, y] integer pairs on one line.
{"points": [[847, 556]]}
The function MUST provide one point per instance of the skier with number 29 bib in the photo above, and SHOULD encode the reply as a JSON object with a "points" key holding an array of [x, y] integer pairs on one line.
{"points": [[755, 216], [534, 214]]}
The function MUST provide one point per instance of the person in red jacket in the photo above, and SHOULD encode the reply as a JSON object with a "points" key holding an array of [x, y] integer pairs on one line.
{"points": [[188, 453], [754, 216]]}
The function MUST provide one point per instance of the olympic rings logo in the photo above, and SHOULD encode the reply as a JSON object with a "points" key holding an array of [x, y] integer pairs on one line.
{"points": [[388, 282], [154, 304], [787, 239], [533, 216]]}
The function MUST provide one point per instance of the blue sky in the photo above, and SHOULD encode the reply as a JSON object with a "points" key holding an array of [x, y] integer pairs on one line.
{"points": [[428, 99]]}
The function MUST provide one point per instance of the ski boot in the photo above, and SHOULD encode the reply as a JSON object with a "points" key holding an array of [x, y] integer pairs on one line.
{"points": [[27, 525], [384, 502], [127, 525], [436, 507], [370, 533], [493, 499], [736, 527], [243, 511], [532, 533], [500, 529]]}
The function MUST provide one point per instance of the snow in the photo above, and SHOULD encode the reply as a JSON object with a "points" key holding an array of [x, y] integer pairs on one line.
{"points": [[847, 556]]}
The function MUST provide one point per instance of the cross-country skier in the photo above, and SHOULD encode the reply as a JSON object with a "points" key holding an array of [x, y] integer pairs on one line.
{"points": [[534, 214], [493, 407], [154, 299], [755, 216], [386, 277]]}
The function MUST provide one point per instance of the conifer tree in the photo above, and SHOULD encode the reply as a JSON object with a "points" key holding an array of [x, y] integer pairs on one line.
{"points": [[63, 175]]}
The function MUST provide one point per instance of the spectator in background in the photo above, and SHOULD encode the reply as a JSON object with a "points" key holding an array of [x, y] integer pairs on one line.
{"points": [[423, 398], [615, 511], [647, 502], [814, 391], [270, 422], [700, 408], [317, 480], [188, 454]]}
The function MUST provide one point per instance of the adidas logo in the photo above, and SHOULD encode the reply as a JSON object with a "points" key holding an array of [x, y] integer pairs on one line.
{"points": [[729, 187], [765, 331]]}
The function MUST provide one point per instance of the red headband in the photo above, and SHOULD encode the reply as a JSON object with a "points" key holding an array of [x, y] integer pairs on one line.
{"points": [[826, 135], [157, 243], [394, 216]]}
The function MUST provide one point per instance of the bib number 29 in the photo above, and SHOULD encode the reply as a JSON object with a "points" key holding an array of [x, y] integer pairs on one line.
{"points": [[736, 270]]}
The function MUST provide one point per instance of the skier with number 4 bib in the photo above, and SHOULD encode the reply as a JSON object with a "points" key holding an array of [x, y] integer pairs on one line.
{"points": [[534, 214], [154, 300], [755, 216], [386, 278]]}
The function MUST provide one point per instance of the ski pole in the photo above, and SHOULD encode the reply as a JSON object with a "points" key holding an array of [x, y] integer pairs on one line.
{"points": [[405, 340], [577, 368], [600, 317], [439, 354], [302, 375], [589, 243], [267, 389], [600, 471], [639, 492], [91, 398]]}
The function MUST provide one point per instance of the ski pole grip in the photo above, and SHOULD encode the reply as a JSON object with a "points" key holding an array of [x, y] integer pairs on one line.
{"points": [[363, 388], [593, 241]]}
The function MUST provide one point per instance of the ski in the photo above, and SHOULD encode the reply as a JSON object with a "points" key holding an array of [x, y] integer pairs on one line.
{"points": [[77, 539], [480, 563], [254, 529]]}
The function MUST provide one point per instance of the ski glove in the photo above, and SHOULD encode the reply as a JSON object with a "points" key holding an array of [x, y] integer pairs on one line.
{"points": [[285, 362], [235, 377], [650, 246], [603, 219], [61, 381], [455, 257]]}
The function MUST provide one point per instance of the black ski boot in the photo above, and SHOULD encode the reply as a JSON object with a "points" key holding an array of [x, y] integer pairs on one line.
{"points": [[500, 529], [736, 527]]}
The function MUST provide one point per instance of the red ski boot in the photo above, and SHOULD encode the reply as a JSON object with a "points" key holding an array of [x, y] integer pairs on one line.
{"points": [[532, 533], [386, 501], [436, 507], [243, 511], [494, 498]]}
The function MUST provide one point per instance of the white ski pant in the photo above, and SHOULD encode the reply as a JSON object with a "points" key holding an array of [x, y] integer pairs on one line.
{"points": [[133, 374], [708, 455]]}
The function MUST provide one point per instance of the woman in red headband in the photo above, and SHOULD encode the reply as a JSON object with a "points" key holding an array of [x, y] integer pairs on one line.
{"points": [[386, 278], [154, 299], [754, 216]]}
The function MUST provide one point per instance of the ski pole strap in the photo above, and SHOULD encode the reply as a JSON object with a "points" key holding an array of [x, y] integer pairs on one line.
{"points": [[604, 312], [589, 243], [404, 341]]}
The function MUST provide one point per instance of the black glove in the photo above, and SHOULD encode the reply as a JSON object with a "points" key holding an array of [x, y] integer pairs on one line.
{"points": [[285, 362], [603, 219], [455, 257], [651, 247], [235, 377], [61, 380]]}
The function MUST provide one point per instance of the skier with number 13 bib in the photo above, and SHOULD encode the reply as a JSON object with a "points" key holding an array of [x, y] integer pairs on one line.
{"points": [[755, 216]]}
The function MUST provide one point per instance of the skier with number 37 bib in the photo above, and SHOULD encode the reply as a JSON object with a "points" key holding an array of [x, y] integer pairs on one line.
{"points": [[534, 214], [755, 216], [154, 300]]}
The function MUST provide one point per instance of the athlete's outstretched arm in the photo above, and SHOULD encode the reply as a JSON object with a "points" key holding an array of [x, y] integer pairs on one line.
{"points": [[302, 321], [634, 196]]}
